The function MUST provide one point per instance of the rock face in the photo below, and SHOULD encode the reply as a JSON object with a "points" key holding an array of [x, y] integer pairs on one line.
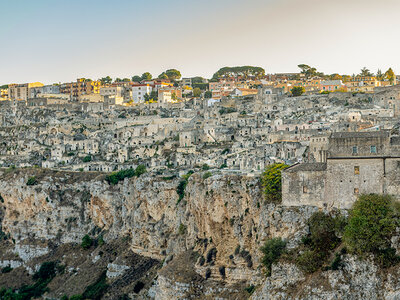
{"points": [[216, 230]]}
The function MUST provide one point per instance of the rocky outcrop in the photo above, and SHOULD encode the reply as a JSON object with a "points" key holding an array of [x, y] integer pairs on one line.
{"points": [[217, 230]]}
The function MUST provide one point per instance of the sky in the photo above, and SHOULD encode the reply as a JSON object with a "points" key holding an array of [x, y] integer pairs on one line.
{"points": [[59, 41]]}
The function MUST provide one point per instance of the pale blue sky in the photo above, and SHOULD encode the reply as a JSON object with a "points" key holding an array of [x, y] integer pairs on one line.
{"points": [[57, 41]]}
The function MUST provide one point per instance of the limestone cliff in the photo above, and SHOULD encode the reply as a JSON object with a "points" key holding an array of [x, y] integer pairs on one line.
{"points": [[209, 242]]}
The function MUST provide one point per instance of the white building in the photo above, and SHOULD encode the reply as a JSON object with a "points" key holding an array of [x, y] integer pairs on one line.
{"points": [[138, 92]]}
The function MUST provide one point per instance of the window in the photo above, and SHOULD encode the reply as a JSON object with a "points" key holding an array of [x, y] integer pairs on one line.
{"points": [[356, 170], [356, 191], [355, 150], [373, 149]]}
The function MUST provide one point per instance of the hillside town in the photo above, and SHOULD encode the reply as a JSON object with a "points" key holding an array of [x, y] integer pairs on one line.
{"points": [[239, 121]]}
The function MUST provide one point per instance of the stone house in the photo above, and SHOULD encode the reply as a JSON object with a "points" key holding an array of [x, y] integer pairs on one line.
{"points": [[356, 163]]}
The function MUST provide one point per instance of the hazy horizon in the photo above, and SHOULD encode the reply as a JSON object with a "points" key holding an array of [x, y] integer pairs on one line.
{"points": [[59, 42]]}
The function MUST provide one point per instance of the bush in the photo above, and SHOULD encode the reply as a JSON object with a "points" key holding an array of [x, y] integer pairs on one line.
{"points": [[182, 229], [323, 232], [45, 274], [323, 237], [46, 271], [272, 251], [140, 170], [180, 190], [207, 175], [31, 181], [86, 242], [76, 297], [205, 167], [116, 177], [250, 289], [87, 158], [310, 261], [100, 240], [297, 91], [372, 223], [6, 269], [271, 181], [97, 289]]}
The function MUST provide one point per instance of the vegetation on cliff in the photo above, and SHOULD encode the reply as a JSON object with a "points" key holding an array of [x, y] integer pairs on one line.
{"points": [[180, 190], [371, 226], [116, 177], [272, 251], [42, 277], [368, 230], [271, 180]]}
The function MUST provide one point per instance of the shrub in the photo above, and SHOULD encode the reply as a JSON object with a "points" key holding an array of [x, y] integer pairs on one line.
{"points": [[372, 223], [76, 297], [272, 251], [322, 236], [97, 289], [223, 166], [182, 229], [322, 239], [272, 182], [205, 167], [6, 269], [44, 275], [310, 261], [116, 177], [100, 240], [86, 242], [31, 181], [250, 289], [140, 170], [207, 175], [180, 190], [46, 271], [297, 90], [87, 158]]}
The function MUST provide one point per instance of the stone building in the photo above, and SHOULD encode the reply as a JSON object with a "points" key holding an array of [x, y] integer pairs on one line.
{"points": [[356, 163]]}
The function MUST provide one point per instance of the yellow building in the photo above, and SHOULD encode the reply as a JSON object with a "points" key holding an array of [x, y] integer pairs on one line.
{"points": [[81, 87], [364, 84], [3, 94]]}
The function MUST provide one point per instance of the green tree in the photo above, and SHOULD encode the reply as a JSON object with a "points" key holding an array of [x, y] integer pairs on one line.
{"points": [[244, 71], [372, 223], [272, 251], [146, 76], [208, 94], [163, 76], [136, 78], [154, 95], [31, 181], [379, 75], [140, 170], [389, 74], [196, 92], [271, 181], [365, 72], [197, 79], [106, 80], [173, 74], [87, 158], [86, 242], [297, 91]]}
